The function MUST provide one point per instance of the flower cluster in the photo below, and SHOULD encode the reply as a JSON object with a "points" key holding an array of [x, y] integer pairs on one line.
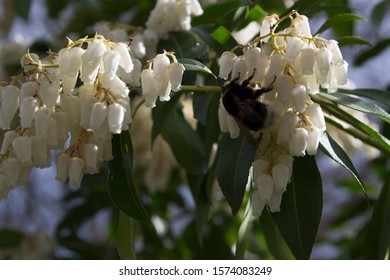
{"points": [[160, 77], [292, 64], [55, 113], [172, 15]]}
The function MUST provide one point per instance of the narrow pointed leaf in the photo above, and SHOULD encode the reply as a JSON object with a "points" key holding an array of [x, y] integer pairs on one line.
{"points": [[338, 20], [358, 104], [352, 40], [301, 208], [121, 185], [372, 52], [194, 65], [378, 233], [234, 160], [335, 152], [125, 237], [374, 94]]}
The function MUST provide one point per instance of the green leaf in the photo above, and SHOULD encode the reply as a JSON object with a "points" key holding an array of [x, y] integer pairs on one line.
{"points": [[217, 13], [301, 208], [201, 103], [125, 237], [234, 160], [10, 238], [274, 240], [352, 40], [224, 37], [377, 243], [380, 96], [22, 8], [194, 65], [121, 185], [204, 32], [161, 112], [335, 152], [372, 52], [339, 19], [185, 143], [379, 12], [357, 104]]}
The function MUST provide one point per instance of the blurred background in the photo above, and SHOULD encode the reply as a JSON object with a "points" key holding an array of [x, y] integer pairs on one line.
{"points": [[46, 220]]}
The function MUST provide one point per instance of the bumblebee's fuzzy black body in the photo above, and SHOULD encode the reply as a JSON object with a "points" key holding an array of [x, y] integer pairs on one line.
{"points": [[240, 101]]}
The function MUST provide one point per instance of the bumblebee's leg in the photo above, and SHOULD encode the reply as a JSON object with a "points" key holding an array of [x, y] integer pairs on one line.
{"points": [[246, 82], [260, 91]]}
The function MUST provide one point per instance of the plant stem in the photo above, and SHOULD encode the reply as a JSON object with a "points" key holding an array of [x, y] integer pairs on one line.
{"points": [[215, 89]]}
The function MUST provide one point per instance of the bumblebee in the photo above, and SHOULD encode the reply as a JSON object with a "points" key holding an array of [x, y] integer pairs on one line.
{"points": [[240, 101]]}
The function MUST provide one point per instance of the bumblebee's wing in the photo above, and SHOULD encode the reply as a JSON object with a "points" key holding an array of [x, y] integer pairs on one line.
{"points": [[248, 111]]}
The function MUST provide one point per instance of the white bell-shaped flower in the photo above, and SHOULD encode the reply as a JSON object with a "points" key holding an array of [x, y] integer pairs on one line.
{"points": [[116, 115], [127, 119], [252, 60], [111, 60], [265, 185], [337, 57], [323, 60], [42, 122], [22, 149], [117, 87], [28, 109], [280, 174], [12, 169], [196, 8], [298, 142], [276, 201], [62, 167], [52, 136], [28, 89], [163, 87], [148, 84], [307, 58], [39, 151], [49, 93], [276, 67], [90, 156], [340, 73], [98, 115], [266, 25], [313, 139], [160, 66], [287, 160], [91, 59], [76, 172], [314, 111], [68, 83], [287, 124], [257, 203], [260, 167], [226, 63], [69, 61], [62, 126], [239, 69], [302, 26], [284, 86], [135, 79], [71, 106], [222, 117], [9, 105], [125, 61], [176, 71], [299, 96], [293, 47], [9, 137], [138, 48], [86, 111]]}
